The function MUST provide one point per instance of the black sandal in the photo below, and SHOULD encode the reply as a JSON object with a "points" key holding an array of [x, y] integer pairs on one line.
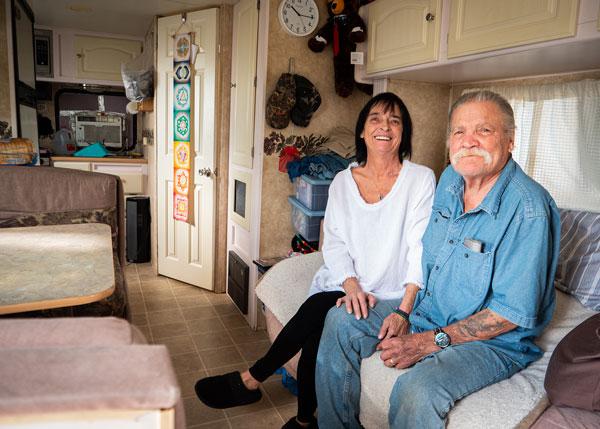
{"points": [[225, 391]]}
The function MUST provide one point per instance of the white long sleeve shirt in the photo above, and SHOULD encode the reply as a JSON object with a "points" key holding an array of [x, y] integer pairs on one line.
{"points": [[379, 243]]}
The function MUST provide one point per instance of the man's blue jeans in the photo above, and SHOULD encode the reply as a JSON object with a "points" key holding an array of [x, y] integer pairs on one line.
{"points": [[421, 397]]}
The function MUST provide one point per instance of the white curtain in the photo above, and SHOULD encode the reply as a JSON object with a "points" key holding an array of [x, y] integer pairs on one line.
{"points": [[557, 140]]}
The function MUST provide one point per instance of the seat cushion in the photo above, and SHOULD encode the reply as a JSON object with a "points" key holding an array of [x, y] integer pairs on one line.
{"points": [[512, 403]]}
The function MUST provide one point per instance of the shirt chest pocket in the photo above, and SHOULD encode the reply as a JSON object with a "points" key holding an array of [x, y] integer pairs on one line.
{"points": [[435, 234], [471, 274]]}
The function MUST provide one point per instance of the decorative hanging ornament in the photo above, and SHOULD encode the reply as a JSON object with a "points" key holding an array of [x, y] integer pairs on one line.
{"points": [[182, 127]]}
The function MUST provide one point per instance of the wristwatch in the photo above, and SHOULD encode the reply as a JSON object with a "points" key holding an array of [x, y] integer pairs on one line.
{"points": [[440, 338]]}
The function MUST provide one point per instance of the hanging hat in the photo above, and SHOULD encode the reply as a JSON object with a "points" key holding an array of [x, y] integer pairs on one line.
{"points": [[308, 101], [281, 102]]}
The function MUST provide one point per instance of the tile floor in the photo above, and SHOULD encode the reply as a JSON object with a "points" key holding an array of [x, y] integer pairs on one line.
{"points": [[206, 335]]}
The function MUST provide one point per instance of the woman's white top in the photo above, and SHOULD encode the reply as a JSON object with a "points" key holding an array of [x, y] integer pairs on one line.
{"points": [[379, 243]]}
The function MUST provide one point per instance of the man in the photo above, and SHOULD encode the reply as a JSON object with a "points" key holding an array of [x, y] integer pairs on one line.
{"points": [[489, 256]]}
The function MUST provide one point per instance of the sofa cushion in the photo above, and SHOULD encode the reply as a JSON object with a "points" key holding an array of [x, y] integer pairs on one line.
{"points": [[67, 332], [86, 378], [578, 270], [514, 402]]}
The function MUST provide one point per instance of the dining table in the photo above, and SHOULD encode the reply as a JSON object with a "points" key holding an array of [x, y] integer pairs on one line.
{"points": [[52, 266]]}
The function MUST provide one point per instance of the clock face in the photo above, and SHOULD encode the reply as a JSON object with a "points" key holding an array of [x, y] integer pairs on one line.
{"points": [[299, 17]]}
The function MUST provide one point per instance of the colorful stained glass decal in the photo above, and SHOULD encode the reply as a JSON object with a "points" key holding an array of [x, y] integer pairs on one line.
{"points": [[182, 154], [181, 96], [182, 72], [182, 91], [182, 125]]}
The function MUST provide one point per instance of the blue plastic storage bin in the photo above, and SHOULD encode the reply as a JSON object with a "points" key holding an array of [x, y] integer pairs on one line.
{"points": [[306, 222], [311, 192]]}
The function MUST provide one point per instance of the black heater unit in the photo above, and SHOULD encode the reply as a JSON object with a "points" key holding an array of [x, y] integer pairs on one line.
{"points": [[238, 279], [138, 229]]}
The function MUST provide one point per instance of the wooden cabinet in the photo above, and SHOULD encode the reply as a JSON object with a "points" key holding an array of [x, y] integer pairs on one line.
{"points": [[484, 25], [453, 41], [133, 173], [403, 32], [91, 58], [100, 58]]}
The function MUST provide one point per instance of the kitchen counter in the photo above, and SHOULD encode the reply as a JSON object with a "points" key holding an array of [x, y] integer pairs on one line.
{"points": [[111, 159]]}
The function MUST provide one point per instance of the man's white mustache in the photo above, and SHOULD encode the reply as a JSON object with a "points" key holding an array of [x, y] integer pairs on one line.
{"points": [[487, 158]]}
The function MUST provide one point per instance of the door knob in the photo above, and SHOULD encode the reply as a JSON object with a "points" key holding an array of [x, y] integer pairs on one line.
{"points": [[206, 172]]}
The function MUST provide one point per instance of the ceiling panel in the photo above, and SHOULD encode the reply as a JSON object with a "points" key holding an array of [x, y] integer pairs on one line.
{"points": [[132, 17]]}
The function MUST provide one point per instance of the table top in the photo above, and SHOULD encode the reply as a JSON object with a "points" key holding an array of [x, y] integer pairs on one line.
{"points": [[55, 266]]}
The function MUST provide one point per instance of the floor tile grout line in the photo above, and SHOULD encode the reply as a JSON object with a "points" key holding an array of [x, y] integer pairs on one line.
{"points": [[237, 346]]}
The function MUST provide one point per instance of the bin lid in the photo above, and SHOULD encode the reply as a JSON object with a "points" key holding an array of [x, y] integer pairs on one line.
{"points": [[312, 213], [315, 181]]}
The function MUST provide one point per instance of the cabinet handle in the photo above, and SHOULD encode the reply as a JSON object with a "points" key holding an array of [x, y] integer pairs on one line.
{"points": [[79, 55], [429, 17]]}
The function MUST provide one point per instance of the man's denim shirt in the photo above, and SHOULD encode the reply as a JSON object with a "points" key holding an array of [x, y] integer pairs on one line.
{"points": [[518, 226]]}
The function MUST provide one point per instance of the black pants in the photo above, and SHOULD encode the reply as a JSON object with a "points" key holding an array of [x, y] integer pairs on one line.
{"points": [[302, 332]]}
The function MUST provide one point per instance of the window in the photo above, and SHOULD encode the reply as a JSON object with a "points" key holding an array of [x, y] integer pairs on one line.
{"points": [[557, 140]]}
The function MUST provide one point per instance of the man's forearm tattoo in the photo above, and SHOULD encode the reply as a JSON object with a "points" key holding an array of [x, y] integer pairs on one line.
{"points": [[483, 325]]}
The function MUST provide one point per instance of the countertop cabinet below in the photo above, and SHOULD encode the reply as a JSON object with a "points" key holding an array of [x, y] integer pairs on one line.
{"points": [[133, 175]]}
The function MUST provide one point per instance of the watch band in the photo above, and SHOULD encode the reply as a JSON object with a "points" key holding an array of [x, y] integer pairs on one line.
{"points": [[402, 314]]}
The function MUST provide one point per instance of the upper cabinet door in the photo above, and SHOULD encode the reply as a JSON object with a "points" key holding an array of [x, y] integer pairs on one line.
{"points": [[485, 25], [402, 33], [101, 57]]}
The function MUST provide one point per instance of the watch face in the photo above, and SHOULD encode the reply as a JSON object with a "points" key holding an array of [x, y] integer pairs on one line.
{"points": [[442, 339], [299, 17]]}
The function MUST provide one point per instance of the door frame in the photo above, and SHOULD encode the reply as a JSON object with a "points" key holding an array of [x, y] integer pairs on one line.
{"points": [[259, 135]]}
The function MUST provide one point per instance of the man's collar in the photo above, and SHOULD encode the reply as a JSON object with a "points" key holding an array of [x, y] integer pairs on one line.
{"points": [[491, 202]]}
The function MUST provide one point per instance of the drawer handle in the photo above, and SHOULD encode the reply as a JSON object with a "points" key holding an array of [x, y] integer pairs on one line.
{"points": [[429, 17]]}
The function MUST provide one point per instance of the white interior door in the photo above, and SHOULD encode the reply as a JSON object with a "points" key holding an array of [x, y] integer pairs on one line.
{"points": [[186, 251]]}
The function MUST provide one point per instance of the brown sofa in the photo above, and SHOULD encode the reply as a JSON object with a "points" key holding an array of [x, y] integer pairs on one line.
{"points": [[32, 196], [92, 372]]}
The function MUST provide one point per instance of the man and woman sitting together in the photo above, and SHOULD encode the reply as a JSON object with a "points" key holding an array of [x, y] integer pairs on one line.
{"points": [[453, 283]]}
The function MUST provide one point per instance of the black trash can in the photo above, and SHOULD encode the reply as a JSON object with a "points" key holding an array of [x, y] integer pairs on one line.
{"points": [[137, 221]]}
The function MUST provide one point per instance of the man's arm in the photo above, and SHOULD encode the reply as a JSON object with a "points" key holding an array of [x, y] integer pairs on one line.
{"points": [[406, 350]]}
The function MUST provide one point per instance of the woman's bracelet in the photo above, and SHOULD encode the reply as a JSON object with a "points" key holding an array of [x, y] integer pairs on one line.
{"points": [[402, 314]]}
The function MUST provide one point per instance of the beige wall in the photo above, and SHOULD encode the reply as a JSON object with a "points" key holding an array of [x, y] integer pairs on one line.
{"points": [[276, 228], [427, 104], [4, 61]]}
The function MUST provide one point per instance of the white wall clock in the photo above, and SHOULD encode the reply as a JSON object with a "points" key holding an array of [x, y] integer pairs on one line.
{"points": [[299, 17]]}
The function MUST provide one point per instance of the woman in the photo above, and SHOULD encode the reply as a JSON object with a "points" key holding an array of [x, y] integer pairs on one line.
{"points": [[376, 214]]}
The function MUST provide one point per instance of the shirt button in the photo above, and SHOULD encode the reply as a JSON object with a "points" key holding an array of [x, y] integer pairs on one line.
{"points": [[428, 293], [417, 313], [435, 221], [437, 267], [451, 242], [466, 255]]}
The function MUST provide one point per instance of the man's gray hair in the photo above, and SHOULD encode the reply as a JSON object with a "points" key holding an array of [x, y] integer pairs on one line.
{"points": [[485, 95]]}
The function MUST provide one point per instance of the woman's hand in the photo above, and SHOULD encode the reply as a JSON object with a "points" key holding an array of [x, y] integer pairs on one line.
{"points": [[393, 326], [356, 300]]}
